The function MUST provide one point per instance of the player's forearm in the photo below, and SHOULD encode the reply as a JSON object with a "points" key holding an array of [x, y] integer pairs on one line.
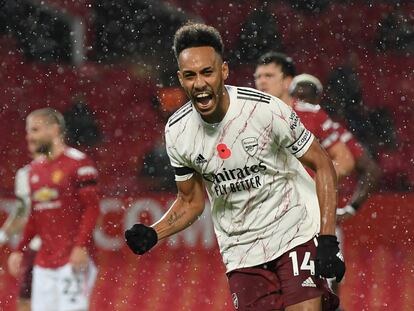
{"points": [[342, 159], [28, 234], [326, 188], [16, 220], [181, 215], [368, 177], [341, 171], [15, 226], [89, 198]]}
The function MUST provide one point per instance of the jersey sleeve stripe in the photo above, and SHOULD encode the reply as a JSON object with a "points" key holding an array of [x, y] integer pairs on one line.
{"points": [[252, 92], [87, 170], [327, 124], [177, 114], [326, 143], [254, 99], [180, 111], [345, 137], [173, 121], [185, 106]]}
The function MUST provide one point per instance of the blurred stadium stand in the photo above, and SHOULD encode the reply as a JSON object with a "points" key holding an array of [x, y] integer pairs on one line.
{"points": [[128, 51]]}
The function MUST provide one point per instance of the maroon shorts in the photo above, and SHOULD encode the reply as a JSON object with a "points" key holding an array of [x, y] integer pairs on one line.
{"points": [[285, 281], [25, 291]]}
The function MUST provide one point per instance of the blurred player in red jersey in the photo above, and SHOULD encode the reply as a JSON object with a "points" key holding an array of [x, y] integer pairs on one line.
{"points": [[308, 88], [273, 75], [65, 207]]}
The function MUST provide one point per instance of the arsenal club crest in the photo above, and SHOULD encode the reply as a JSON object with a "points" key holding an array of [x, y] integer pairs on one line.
{"points": [[250, 145]]}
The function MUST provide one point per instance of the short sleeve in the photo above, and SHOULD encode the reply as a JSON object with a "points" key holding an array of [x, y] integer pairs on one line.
{"points": [[182, 171], [353, 145], [21, 183], [290, 131], [86, 173]]}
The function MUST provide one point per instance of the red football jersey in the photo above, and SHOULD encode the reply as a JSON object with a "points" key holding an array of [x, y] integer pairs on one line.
{"points": [[318, 122], [65, 206], [349, 140], [347, 185]]}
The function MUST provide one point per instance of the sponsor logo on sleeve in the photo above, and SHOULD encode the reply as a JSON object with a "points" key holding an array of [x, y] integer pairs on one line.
{"points": [[293, 120]]}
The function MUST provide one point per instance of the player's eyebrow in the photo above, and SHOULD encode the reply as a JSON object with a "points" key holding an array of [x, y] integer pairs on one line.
{"points": [[203, 70], [207, 69]]}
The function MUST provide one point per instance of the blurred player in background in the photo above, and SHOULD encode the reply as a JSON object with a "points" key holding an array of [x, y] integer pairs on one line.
{"points": [[273, 75], [275, 226], [308, 88], [13, 225], [64, 210]]}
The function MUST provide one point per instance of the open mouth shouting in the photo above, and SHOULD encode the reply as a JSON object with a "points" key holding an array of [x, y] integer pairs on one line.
{"points": [[204, 101]]}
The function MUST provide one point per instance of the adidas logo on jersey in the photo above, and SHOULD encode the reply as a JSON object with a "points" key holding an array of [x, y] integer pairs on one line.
{"points": [[308, 283], [200, 160]]}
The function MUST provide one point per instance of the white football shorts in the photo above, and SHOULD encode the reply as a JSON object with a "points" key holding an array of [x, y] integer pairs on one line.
{"points": [[61, 289]]}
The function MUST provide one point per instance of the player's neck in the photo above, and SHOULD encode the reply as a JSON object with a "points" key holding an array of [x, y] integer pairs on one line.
{"points": [[58, 147], [221, 111], [288, 100]]}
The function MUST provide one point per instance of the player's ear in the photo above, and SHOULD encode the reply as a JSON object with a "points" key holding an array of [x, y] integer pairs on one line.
{"points": [[225, 70], [56, 130], [180, 77]]}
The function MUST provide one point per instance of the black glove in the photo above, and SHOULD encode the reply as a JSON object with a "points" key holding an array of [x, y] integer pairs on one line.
{"points": [[329, 261], [141, 238]]}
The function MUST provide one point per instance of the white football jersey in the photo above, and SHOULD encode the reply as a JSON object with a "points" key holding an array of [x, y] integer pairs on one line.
{"points": [[263, 201]]}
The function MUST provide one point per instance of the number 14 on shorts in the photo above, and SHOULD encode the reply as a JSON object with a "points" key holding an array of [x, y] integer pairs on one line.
{"points": [[307, 263]]}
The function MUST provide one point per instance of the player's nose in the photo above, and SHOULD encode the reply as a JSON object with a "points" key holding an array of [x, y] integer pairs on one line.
{"points": [[259, 82], [199, 83]]}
